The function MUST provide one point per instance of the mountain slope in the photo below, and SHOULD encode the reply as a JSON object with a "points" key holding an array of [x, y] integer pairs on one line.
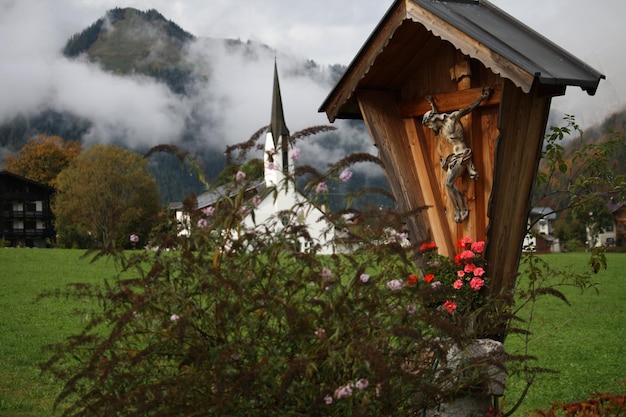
{"points": [[129, 41], [148, 55]]}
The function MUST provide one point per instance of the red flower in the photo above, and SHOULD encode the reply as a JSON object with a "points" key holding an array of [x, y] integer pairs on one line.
{"points": [[479, 272], [478, 247], [457, 284], [457, 259], [469, 268], [429, 278], [428, 246], [412, 280], [450, 306], [464, 242]]}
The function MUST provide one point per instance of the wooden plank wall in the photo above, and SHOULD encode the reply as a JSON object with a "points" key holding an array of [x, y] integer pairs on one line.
{"points": [[505, 134], [523, 119], [435, 77], [380, 114]]}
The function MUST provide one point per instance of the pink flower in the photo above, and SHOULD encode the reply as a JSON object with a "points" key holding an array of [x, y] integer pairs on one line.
{"points": [[477, 283], [460, 273], [326, 273], [256, 200], [450, 306], [134, 238], [469, 268], [479, 272], [272, 166], [478, 247], [364, 278], [294, 154], [203, 223], [394, 285], [321, 188], [174, 317], [362, 383], [328, 399], [466, 254], [345, 175], [208, 211], [457, 284], [344, 391], [240, 176]]}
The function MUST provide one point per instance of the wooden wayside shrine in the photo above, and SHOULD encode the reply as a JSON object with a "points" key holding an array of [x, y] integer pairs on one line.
{"points": [[452, 50]]}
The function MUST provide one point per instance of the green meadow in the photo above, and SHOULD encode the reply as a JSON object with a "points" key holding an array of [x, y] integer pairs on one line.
{"points": [[585, 342]]}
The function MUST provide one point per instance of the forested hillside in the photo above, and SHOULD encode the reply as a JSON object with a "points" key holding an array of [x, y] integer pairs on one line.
{"points": [[134, 44], [578, 152]]}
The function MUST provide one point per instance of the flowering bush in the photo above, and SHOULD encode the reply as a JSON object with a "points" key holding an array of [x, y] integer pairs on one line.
{"points": [[262, 332], [456, 282], [231, 320]]}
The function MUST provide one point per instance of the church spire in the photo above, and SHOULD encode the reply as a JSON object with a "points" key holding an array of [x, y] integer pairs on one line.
{"points": [[277, 163], [277, 124]]}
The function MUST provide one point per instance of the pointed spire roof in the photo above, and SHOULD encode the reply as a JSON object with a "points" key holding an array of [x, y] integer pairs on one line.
{"points": [[277, 124]]}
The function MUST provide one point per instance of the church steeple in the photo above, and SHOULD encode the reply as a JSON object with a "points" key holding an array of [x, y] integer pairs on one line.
{"points": [[277, 164], [277, 124]]}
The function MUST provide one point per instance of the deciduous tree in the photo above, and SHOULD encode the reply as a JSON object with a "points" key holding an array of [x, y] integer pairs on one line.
{"points": [[43, 158], [106, 193]]}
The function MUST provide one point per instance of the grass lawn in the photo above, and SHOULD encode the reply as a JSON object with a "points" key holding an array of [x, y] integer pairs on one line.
{"points": [[585, 342], [27, 324]]}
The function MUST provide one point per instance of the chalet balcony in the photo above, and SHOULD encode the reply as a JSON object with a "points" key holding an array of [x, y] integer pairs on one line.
{"points": [[27, 233], [21, 214]]}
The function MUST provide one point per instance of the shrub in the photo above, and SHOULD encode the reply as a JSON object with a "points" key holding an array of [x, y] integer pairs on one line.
{"points": [[599, 405], [232, 320]]}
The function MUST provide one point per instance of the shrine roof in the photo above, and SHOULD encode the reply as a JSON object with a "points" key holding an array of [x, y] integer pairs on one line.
{"points": [[479, 30]]}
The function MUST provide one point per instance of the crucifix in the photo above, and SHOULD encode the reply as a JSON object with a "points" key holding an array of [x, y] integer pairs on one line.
{"points": [[460, 160]]}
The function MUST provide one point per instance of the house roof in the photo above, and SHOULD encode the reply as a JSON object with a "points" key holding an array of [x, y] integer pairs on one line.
{"points": [[544, 212], [614, 207], [211, 197], [43, 186], [478, 29]]}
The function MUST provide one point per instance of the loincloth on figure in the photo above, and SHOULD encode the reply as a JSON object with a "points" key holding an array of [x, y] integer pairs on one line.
{"points": [[455, 159]]}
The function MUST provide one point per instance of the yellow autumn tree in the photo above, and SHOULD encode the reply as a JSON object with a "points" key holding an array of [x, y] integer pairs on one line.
{"points": [[106, 194], [43, 157]]}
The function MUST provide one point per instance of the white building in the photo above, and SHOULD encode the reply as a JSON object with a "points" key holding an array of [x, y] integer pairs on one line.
{"points": [[278, 203], [282, 204], [540, 237]]}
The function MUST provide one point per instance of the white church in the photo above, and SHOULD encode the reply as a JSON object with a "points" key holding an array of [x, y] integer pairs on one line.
{"points": [[280, 204]]}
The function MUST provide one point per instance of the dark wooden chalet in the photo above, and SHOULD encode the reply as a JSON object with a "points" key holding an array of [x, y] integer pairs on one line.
{"points": [[26, 218], [451, 50]]}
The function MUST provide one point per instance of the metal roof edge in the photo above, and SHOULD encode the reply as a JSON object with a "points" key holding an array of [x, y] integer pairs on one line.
{"points": [[598, 75]]}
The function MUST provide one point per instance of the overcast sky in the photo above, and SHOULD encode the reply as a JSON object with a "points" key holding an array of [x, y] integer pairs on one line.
{"points": [[34, 75]]}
